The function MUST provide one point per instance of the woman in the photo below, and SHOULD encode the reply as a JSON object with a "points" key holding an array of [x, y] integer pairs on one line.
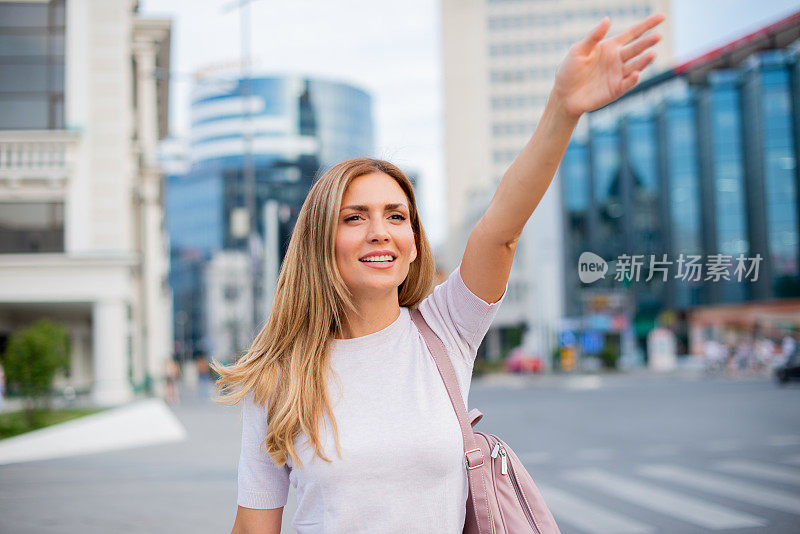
{"points": [[341, 397]]}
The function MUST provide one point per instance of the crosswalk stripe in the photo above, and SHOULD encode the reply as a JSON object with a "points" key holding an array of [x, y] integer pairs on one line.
{"points": [[726, 486], [759, 470], [690, 509], [587, 517]]}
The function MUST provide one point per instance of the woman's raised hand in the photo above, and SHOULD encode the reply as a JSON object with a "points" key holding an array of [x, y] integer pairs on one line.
{"points": [[596, 72]]}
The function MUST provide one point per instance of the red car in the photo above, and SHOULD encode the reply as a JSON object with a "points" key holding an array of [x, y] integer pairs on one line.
{"points": [[519, 362]]}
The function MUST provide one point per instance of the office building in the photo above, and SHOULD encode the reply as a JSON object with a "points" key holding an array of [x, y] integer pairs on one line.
{"points": [[500, 58], [82, 106], [691, 180], [299, 127]]}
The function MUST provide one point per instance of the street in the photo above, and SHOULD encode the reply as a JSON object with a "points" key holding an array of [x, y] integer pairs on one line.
{"points": [[611, 454]]}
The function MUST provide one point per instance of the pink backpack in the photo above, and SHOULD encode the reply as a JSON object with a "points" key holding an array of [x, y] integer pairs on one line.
{"points": [[502, 496]]}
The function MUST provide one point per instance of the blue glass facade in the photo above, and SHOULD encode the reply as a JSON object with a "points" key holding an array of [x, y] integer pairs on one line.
{"points": [[683, 190], [779, 170], [643, 163], [728, 174], [697, 162], [605, 176], [642, 225], [577, 204], [197, 224], [298, 126]]}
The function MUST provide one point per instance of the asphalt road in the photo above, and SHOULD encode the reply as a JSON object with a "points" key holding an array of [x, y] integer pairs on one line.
{"points": [[620, 454]]}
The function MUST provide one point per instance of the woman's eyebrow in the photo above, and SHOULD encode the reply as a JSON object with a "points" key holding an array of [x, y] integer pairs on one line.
{"points": [[361, 207]]}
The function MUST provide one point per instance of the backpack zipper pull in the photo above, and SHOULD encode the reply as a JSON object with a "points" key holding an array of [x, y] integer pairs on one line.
{"points": [[503, 462], [496, 448]]}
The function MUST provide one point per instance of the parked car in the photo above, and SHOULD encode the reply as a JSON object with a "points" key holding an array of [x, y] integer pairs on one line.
{"points": [[789, 370], [519, 362]]}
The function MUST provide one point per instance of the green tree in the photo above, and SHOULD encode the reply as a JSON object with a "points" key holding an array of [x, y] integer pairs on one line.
{"points": [[609, 356], [32, 358]]}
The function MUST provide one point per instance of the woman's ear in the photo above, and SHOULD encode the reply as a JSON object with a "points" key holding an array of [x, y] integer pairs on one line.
{"points": [[414, 254]]}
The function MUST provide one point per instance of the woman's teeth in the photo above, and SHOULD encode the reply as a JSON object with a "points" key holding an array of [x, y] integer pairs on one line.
{"points": [[378, 258]]}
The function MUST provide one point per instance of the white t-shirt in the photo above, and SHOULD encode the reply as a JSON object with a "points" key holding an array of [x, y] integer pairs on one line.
{"points": [[402, 466]]}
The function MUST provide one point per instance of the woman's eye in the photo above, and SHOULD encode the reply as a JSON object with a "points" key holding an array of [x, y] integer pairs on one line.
{"points": [[353, 217]]}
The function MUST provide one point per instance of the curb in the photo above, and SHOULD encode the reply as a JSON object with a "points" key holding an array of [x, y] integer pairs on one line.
{"points": [[140, 423]]}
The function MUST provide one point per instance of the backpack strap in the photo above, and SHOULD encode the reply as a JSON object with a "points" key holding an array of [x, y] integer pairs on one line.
{"points": [[474, 416], [473, 456]]}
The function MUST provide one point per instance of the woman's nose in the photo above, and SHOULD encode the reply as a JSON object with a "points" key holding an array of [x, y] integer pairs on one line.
{"points": [[378, 231]]}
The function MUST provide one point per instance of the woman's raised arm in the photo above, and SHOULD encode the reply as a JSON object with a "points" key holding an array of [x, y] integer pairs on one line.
{"points": [[594, 73]]}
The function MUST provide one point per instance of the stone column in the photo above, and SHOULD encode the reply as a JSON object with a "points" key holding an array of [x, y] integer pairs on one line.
{"points": [[79, 338], [155, 295], [110, 353]]}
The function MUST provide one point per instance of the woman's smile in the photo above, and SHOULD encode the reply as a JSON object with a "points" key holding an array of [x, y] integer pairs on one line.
{"points": [[379, 264]]}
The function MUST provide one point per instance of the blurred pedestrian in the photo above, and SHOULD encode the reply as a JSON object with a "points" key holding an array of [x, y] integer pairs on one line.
{"points": [[735, 359], [2, 386], [714, 355], [173, 374], [202, 376], [764, 353], [788, 346]]}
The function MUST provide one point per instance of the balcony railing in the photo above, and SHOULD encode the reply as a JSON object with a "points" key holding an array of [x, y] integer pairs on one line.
{"points": [[36, 155]]}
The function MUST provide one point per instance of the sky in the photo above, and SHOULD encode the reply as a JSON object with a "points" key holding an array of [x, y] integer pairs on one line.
{"points": [[392, 50]]}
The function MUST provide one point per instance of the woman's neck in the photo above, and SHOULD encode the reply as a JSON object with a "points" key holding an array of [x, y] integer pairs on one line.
{"points": [[374, 315]]}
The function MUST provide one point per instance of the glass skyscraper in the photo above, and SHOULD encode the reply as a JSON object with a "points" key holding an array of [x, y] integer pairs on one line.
{"points": [[699, 160], [299, 126]]}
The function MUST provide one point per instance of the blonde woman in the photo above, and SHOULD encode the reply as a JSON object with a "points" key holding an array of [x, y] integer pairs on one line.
{"points": [[340, 395]]}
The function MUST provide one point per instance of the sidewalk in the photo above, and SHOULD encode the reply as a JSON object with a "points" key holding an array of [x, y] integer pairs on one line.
{"points": [[167, 460], [140, 423]]}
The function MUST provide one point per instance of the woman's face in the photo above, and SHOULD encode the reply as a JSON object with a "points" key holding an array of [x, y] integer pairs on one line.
{"points": [[374, 218]]}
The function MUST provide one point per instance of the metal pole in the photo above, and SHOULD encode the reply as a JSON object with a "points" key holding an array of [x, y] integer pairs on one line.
{"points": [[253, 242], [254, 245], [272, 251], [249, 170]]}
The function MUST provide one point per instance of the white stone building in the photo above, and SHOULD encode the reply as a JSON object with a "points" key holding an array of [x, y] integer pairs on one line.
{"points": [[500, 58], [229, 304], [83, 103]]}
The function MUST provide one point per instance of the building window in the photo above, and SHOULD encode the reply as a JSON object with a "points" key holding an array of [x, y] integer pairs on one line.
{"points": [[231, 293], [32, 65], [607, 176], [780, 188], [30, 227]]}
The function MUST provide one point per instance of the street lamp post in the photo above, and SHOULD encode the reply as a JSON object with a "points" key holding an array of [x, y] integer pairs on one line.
{"points": [[253, 241]]}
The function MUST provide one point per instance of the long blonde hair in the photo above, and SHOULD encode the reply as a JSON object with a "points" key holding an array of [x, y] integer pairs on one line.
{"points": [[310, 302]]}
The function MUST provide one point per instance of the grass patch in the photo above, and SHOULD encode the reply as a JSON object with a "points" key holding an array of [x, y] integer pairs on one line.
{"points": [[15, 423], [483, 366]]}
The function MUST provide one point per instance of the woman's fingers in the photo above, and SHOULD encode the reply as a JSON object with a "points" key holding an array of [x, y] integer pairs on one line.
{"points": [[629, 81], [639, 28], [636, 48], [595, 36], [638, 64]]}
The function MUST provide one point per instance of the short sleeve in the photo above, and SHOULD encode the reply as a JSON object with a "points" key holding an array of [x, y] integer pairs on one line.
{"points": [[458, 316], [262, 483]]}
